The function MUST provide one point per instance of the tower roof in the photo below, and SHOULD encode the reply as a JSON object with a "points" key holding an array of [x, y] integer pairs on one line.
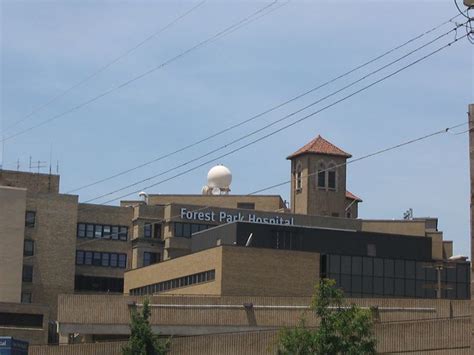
{"points": [[351, 196], [320, 146]]}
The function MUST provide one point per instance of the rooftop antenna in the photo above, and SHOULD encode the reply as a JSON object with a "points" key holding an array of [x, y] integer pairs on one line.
{"points": [[18, 164], [57, 167], [249, 241], [408, 215]]}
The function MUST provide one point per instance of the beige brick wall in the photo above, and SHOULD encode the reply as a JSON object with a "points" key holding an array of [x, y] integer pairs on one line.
{"points": [[54, 234], [33, 182], [198, 262], [32, 335], [402, 227], [12, 230], [268, 272], [313, 200], [268, 203], [420, 337]]}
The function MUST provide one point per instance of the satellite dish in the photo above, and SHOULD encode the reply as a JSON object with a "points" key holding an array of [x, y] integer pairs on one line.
{"points": [[216, 191]]}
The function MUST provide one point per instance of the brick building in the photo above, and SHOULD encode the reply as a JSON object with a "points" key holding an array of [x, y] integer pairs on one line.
{"points": [[52, 247]]}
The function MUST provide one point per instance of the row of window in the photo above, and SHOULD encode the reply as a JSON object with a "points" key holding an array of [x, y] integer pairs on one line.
{"points": [[25, 320], [98, 284], [383, 277], [152, 230], [175, 283], [185, 230], [325, 177], [104, 259], [398, 268], [86, 230]]}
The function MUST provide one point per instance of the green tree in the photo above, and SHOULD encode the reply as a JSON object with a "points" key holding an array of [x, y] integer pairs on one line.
{"points": [[142, 340], [343, 329]]}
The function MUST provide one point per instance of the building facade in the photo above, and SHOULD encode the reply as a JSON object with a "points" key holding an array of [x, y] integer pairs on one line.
{"points": [[52, 245]]}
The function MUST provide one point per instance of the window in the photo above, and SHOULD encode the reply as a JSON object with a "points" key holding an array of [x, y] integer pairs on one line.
{"points": [[115, 232], [246, 205], [81, 230], [122, 261], [113, 260], [79, 257], [90, 231], [105, 259], [26, 297], [30, 219], [98, 284], [321, 176], [331, 177], [299, 178], [150, 258], [184, 281], [27, 275], [21, 320], [107, 232], [123, 233], [147, 230], [88, 258], [98, 231], [28, 247], [185, 230], [97, 259], [102, 231]]}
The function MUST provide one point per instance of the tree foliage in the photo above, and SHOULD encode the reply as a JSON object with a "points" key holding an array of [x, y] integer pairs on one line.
{"points": [[343, 329], [142, 340]]}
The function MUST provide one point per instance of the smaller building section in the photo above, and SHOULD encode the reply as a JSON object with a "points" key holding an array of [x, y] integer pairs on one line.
{"points": [[227, 271]]}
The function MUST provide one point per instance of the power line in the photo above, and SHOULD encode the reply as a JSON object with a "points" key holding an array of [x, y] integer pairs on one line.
{"points": [[219, 34], [367, 156], [274, 122], [108, 65], [297, 121], [378, 152], [241, 123]]}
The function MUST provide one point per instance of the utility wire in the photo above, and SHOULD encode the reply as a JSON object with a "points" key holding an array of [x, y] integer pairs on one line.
{"points": [[367, 156], [219, 34], [297, 121], [378, 152], [274, 122], [241, 123], [108, 65]]}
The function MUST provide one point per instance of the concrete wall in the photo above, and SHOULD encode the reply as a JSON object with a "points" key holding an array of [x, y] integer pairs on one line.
{"points": [[421, 337], [12, 231]]}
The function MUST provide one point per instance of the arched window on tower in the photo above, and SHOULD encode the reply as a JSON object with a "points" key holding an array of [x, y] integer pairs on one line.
{"points": [[332, 177], [299, 177], [321, 175]]}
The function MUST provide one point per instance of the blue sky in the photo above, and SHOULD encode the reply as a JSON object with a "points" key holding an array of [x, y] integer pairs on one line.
{"points": [[49, 46]]}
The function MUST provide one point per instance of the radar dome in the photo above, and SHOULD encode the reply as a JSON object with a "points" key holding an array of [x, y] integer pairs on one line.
{"points": [[220, 177]]}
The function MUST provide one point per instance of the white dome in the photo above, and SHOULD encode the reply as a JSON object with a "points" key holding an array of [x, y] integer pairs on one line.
{"points": [[219, 176]]}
